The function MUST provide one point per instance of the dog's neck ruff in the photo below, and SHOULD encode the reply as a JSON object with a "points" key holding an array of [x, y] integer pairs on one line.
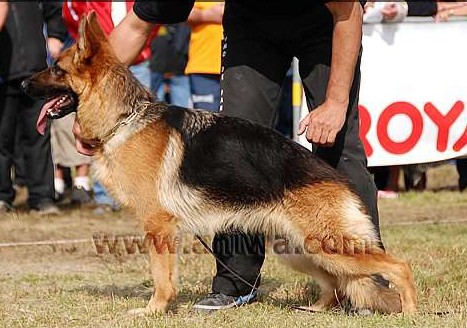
{"points": [[139, 111]]}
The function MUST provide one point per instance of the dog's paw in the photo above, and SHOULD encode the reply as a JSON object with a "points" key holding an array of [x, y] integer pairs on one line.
{"points": [[312, 308], [140, 312], [153, 308], [145, 312]]}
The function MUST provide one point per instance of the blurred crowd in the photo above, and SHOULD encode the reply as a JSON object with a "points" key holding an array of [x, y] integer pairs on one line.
{"points": [[181, 64]]}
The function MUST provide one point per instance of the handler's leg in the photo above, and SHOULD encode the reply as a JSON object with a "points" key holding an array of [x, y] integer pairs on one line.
{"points": [[251, 86], [347, 155]]}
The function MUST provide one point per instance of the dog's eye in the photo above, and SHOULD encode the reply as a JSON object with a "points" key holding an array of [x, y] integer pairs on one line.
{"points": [[56, 70]]}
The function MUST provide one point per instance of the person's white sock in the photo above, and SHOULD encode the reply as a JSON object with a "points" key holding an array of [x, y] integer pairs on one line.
{"points": [[83, 183], [59, 185]]}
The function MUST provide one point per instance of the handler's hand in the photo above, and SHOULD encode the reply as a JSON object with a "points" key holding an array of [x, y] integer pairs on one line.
{"points": [[323, 123], [389, 11], [83, 146]]}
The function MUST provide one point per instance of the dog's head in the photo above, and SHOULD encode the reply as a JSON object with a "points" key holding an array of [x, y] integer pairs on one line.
{"points": [[67, 84]]}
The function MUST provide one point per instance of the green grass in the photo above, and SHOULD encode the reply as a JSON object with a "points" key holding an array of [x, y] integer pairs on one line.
{"points": [[101, 297]]}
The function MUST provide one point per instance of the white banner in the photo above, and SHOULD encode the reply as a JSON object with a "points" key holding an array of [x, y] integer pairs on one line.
{"points": [[413, 97]]}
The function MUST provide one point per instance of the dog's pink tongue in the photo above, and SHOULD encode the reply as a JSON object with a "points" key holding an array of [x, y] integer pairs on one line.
{"points": [[42, 120]]}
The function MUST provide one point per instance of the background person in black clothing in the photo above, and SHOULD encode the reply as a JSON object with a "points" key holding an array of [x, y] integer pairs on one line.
{"points": [[261, 38], [23, 53]]}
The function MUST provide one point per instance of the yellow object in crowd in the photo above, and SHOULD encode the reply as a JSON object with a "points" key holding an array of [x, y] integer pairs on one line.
{"points": [[204, 55]]}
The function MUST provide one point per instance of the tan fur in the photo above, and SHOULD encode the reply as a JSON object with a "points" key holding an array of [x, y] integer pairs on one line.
{"points": [[121, 171], [140, 164], [342, 251]]}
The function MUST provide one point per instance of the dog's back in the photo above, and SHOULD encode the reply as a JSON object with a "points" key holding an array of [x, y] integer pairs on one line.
{"points": [[240, 163]]}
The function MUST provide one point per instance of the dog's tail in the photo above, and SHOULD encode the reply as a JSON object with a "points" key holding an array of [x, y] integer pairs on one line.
{"points": [[371, 293]]}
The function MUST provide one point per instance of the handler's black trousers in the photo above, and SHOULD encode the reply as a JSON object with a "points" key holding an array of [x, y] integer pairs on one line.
{"points": [[254, 67]]}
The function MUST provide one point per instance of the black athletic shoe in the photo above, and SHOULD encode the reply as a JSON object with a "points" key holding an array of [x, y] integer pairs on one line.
{"points": [[45, 209], [214, 302], [81, 196]]}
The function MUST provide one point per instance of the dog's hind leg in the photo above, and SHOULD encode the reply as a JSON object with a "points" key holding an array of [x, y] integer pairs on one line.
{"points": [[358, 274], [335, 230], [367, 293], [329, 296], [162, 241]]}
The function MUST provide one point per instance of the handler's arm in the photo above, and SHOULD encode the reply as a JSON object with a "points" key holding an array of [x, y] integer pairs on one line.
{"points": [[346, 44], [323, 123], [3, 13], [129, 37]]}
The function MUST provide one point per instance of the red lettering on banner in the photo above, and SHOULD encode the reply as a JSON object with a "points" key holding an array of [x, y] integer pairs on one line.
{"points": [[365, 124], [443, 122], [388, 113], [461, 142]]}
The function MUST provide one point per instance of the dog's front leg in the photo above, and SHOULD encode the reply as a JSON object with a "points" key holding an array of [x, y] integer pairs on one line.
{"points": [[163, 261], [162, 241]]}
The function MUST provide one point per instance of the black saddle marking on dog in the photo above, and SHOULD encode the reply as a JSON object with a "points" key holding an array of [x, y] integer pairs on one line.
{"points": [[242, 163]]}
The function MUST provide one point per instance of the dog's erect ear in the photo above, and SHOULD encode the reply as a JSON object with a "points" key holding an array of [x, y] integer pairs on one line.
{"points": [[93, 24], [90, 37]]}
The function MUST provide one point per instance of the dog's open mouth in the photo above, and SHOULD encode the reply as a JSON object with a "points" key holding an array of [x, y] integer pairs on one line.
{"points": [[54, 108]]}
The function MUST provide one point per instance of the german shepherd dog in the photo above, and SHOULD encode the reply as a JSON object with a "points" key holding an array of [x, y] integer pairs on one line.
{"points": [[181, 169]]}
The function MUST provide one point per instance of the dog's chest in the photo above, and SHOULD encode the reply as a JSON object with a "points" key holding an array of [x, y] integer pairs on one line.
{"points": [[111, 178]]}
